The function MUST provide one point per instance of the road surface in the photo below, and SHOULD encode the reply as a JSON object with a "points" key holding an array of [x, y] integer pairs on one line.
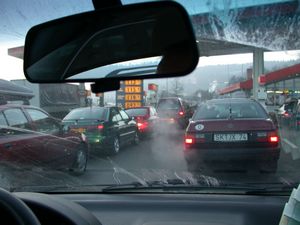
{"points": [[159, 159]]}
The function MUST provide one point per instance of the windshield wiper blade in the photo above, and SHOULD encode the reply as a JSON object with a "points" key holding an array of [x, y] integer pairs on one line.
{"points": [[179, 185], [157, 184]]}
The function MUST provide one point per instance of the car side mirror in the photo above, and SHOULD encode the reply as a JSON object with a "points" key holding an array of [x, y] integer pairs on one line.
{"points": [[63, 129]]}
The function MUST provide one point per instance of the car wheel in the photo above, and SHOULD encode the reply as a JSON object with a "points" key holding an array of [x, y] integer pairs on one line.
{"points": [[115, 146], [80, 163], [136, 139], [269, 166]]}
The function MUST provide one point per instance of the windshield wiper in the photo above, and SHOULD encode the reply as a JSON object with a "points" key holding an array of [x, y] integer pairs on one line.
{"points": [[169, 185], [177, 185]]}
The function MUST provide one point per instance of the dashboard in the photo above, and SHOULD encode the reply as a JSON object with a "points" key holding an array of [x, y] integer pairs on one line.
{"points": [[154, 209]]}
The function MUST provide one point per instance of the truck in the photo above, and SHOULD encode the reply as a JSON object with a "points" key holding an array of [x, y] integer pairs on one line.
{"points": [[10, 92], [57, 99]]}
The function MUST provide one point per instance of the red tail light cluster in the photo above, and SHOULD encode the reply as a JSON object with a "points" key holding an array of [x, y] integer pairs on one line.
{"points": [[142, 125], [100, 127], [189, 140], [274, 139], [181, 113], [271, 137], [286, 114]]}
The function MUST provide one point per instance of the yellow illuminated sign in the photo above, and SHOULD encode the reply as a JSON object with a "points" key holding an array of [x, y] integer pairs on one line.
{"points": [[133, 82], [132, 104], [133, 89], [133, 97]]}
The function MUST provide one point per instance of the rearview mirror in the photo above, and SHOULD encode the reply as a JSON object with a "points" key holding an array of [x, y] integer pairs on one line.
{"points": [[138, 41]]}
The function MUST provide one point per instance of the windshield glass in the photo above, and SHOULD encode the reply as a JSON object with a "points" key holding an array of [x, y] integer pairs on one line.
{"points": [[137, 112], [233, 122], [230, 110], [164, 104], [87, 113]]}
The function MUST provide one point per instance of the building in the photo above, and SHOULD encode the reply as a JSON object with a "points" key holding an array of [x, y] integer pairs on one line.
{"points": [[284, 81]]}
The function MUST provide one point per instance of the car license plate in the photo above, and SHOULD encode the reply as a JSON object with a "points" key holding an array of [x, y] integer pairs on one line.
{"points": [[231, 137], [78, 130]]}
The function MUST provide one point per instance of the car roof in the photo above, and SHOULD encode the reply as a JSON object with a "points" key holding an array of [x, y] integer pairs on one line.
{"points": [[8, 106], [169, 98], [96, 107], [142, 107], [231, 100]]}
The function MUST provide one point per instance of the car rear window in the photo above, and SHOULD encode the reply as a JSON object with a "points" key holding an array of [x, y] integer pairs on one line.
{"points": [[137, 112], [230, 110], [165, 104], [289, 106], [87, 113]]}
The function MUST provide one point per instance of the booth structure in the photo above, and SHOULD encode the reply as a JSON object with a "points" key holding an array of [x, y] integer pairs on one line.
{"points": [[10, 92]]}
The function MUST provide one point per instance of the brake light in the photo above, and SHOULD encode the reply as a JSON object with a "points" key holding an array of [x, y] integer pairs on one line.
{"points": [[189, 140], [100, 127], [286, 114], [273, 139], [181, 113], [142, 125]]}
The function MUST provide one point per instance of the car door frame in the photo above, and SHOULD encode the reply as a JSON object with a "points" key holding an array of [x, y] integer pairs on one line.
{"points": [[130, 126], [118, 127], [55, 148], [27, 145]]}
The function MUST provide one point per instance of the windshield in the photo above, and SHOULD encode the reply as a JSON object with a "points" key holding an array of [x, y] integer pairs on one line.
{"points": [[228, 123], [164, 104], [137, 112], [91, 113], [223, 110]]}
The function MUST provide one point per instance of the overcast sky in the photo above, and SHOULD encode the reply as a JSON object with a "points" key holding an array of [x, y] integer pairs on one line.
{"points": [[12, 68]]}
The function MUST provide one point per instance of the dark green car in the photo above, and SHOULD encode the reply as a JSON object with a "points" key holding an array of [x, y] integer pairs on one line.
{"points": [[106, 128]]}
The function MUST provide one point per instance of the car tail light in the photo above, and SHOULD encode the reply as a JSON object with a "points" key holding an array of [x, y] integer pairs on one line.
{"points": [[274, 139], [286, 114], [142, 125], [181, 113], [100, 127], [271, 137], [189, 140]]}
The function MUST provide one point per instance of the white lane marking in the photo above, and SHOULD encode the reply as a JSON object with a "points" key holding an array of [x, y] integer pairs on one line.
{"points": [[291, 144]]}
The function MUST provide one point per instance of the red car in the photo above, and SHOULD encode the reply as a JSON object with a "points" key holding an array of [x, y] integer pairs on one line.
{"points": [[146, 118], [233, 129], [29, 135]]}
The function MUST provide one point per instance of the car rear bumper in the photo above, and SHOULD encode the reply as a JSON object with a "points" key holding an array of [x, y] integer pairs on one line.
{"points": [[171, 123], [100, 143], [233, 154]]}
